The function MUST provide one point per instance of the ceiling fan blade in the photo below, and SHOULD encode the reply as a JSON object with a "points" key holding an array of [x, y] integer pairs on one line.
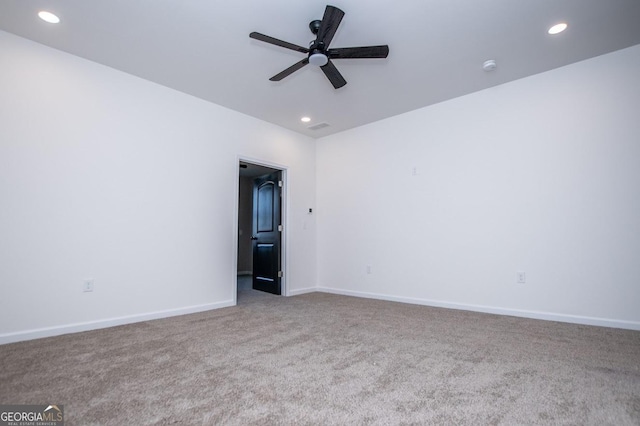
{"points": [[333, 75], [293, 68], [277, 42], [330, 21], [359, 52]]}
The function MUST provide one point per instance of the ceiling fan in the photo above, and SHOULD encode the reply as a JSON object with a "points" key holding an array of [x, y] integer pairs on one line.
{"points": [[319, 53]]}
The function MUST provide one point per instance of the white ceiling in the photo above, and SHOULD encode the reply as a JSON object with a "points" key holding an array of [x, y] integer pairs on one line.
{"points": [[437, 48]]}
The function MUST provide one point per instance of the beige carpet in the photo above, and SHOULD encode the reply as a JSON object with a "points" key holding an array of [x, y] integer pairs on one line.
{"points": [[327, 359]]}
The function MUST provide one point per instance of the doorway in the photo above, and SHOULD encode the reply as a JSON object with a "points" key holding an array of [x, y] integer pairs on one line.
{"points": [[260, 260]]}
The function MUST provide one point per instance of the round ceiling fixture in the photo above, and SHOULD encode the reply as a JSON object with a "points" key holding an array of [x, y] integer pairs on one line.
{"points": [[305, 119], [318, 58], [48, 17], [489, 65], [557, 28]]}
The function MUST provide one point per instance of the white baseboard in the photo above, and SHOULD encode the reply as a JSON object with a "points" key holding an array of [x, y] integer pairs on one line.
{"points": [[111, 322], [548, 316], [299, 291]]}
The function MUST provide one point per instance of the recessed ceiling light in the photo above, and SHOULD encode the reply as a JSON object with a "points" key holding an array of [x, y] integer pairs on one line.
{"points": [[305, 119], [48, 17], [557, 28]]}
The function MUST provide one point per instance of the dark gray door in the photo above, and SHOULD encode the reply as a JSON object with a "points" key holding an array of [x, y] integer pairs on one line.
{"points": [[267, 206]]}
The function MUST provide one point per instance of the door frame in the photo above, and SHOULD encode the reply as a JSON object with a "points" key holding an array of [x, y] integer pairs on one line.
{"points": [[284, 213]]}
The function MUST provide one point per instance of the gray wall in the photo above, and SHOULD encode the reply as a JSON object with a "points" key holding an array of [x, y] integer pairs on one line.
{"points": [[109, 177], [445, 204]]}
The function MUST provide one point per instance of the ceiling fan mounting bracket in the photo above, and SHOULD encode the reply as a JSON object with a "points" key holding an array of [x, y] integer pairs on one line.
{"points": [[314, 26]]}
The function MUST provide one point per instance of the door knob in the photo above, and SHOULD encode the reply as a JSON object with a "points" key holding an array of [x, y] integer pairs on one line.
{"points": [[254, 238]]}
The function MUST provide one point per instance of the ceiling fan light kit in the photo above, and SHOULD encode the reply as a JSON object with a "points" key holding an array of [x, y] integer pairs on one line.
{"points": [[318, 58], [319, 52]]}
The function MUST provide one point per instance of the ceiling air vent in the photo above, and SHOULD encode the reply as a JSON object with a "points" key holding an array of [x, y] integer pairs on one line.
{"points": [[318, 126]]}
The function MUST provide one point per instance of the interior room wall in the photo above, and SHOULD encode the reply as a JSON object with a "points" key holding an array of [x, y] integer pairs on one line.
{"points": [[111, 178], [443, 205]]}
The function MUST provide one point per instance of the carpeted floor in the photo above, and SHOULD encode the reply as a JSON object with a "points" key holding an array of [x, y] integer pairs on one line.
{"points": [[327, 359]]}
